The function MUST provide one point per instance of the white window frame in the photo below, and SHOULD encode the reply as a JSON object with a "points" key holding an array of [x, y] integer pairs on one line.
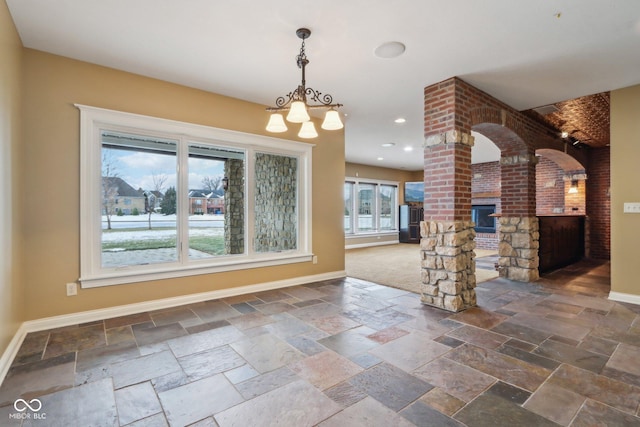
{"points": [[355, 211], [93, 120]]}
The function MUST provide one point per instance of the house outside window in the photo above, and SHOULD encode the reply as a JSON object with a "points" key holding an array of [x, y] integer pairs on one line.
{"points": [[263, 218]]}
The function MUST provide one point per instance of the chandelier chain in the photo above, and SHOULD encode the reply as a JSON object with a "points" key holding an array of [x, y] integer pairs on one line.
{"points": [[302, 56], [302, 92]]}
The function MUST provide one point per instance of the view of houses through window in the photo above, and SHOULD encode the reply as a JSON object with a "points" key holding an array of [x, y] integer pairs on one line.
{"points": [[164, 199], [370, 207], [140, 200]]}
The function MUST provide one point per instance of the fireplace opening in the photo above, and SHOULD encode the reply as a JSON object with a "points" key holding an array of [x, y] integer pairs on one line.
{"points": [[481, 215]]}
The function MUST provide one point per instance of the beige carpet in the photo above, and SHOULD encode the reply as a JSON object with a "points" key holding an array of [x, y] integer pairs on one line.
{"points": [[397, 265]]}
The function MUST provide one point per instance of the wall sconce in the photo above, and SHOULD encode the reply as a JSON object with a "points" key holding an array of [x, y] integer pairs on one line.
{"points": [[574, 187], [225, 183]]}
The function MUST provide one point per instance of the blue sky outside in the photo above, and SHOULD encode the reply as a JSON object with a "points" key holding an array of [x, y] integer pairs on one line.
{"points": [[138, 168]]}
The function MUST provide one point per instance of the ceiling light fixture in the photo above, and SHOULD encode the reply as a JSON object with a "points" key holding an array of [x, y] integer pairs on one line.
{"points": [[389, 50], [400, 120], [296, 103], [388, 144]]}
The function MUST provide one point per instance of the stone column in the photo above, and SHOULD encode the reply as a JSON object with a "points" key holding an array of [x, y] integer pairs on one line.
{"points": [[518, 248], [276, 194], [234, 207], [447, 245], [448, 264], [519, 231]]}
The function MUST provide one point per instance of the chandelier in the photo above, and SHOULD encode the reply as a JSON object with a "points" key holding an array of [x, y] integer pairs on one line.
{"points": [[297, 103]]}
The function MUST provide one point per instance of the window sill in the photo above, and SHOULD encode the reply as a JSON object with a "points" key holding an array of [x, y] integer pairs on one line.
{"points": [[134, 274], [372, 234]]}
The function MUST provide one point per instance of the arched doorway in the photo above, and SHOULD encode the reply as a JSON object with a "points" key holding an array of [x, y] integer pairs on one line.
{"points": [[453, 109]]}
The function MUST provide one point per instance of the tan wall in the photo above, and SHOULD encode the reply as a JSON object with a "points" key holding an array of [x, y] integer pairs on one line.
{"points": [[52, 84], [386, 174], [11, 291], [625, 176], [355, 170]]}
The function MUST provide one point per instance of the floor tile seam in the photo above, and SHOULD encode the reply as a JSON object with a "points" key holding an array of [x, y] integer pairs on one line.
{"points": [[547, 381], [157, 395], [413, 402], [42, 353], [382, 403], [507, 338], [577, 348], [176, 308], [582, 405], [497, 380], [444, 356], [537, 355], [502, 355], [613, 408], [637, 388]]}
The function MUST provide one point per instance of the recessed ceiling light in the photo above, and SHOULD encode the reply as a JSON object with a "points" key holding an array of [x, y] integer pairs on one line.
{"points": [[389, 50], [380, 158], [388, 144], [408, 148], [565, 134], [400, 120]]}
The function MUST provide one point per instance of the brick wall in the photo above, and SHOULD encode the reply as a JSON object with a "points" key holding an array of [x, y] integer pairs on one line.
{"points": [[447, 182], [485, 190], [550, 189], [455, 106], [486, 179], [574, 203], [599, 203]]}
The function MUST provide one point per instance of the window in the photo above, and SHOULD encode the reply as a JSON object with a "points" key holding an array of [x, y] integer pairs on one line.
{"points": [[481, 215], [348, 207], [388, 207], [366, 207], [370, 207], [178, 219]]}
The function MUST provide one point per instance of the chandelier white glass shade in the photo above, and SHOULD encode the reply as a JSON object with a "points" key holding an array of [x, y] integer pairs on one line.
{"points": [[308, 130], [298, 103]]}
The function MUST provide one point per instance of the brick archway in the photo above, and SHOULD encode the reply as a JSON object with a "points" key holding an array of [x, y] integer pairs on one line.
{"points": [[452, 109]]}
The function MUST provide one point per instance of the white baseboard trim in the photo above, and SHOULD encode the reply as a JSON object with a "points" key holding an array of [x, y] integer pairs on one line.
{"points": [[366, 245], [123, 310], [622, 297], [11, 351]]}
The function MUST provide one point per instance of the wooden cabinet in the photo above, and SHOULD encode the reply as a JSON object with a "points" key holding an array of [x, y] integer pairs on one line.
{"points": [[409, 220], [561, 241]]}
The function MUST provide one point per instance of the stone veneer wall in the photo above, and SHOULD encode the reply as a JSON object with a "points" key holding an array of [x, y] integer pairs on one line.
{"points": [[518, 248], [448, 264], [276, 203], [234, 207]]}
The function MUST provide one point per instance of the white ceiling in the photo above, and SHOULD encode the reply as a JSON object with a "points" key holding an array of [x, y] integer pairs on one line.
{"points": [[525, 53]]}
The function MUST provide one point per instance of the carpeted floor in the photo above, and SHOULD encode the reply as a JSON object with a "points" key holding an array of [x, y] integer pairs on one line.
{"points": [[398, 265]]}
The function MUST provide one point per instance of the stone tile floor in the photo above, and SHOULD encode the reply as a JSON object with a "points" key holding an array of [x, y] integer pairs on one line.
{"points": [[345, 353]]}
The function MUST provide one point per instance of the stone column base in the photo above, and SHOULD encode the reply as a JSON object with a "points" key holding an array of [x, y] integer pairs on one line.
{"points": [[448, 264], [518, 249]]}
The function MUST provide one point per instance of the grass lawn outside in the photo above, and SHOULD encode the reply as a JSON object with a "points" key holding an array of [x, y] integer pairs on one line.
{"points": [[210, 241]]}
